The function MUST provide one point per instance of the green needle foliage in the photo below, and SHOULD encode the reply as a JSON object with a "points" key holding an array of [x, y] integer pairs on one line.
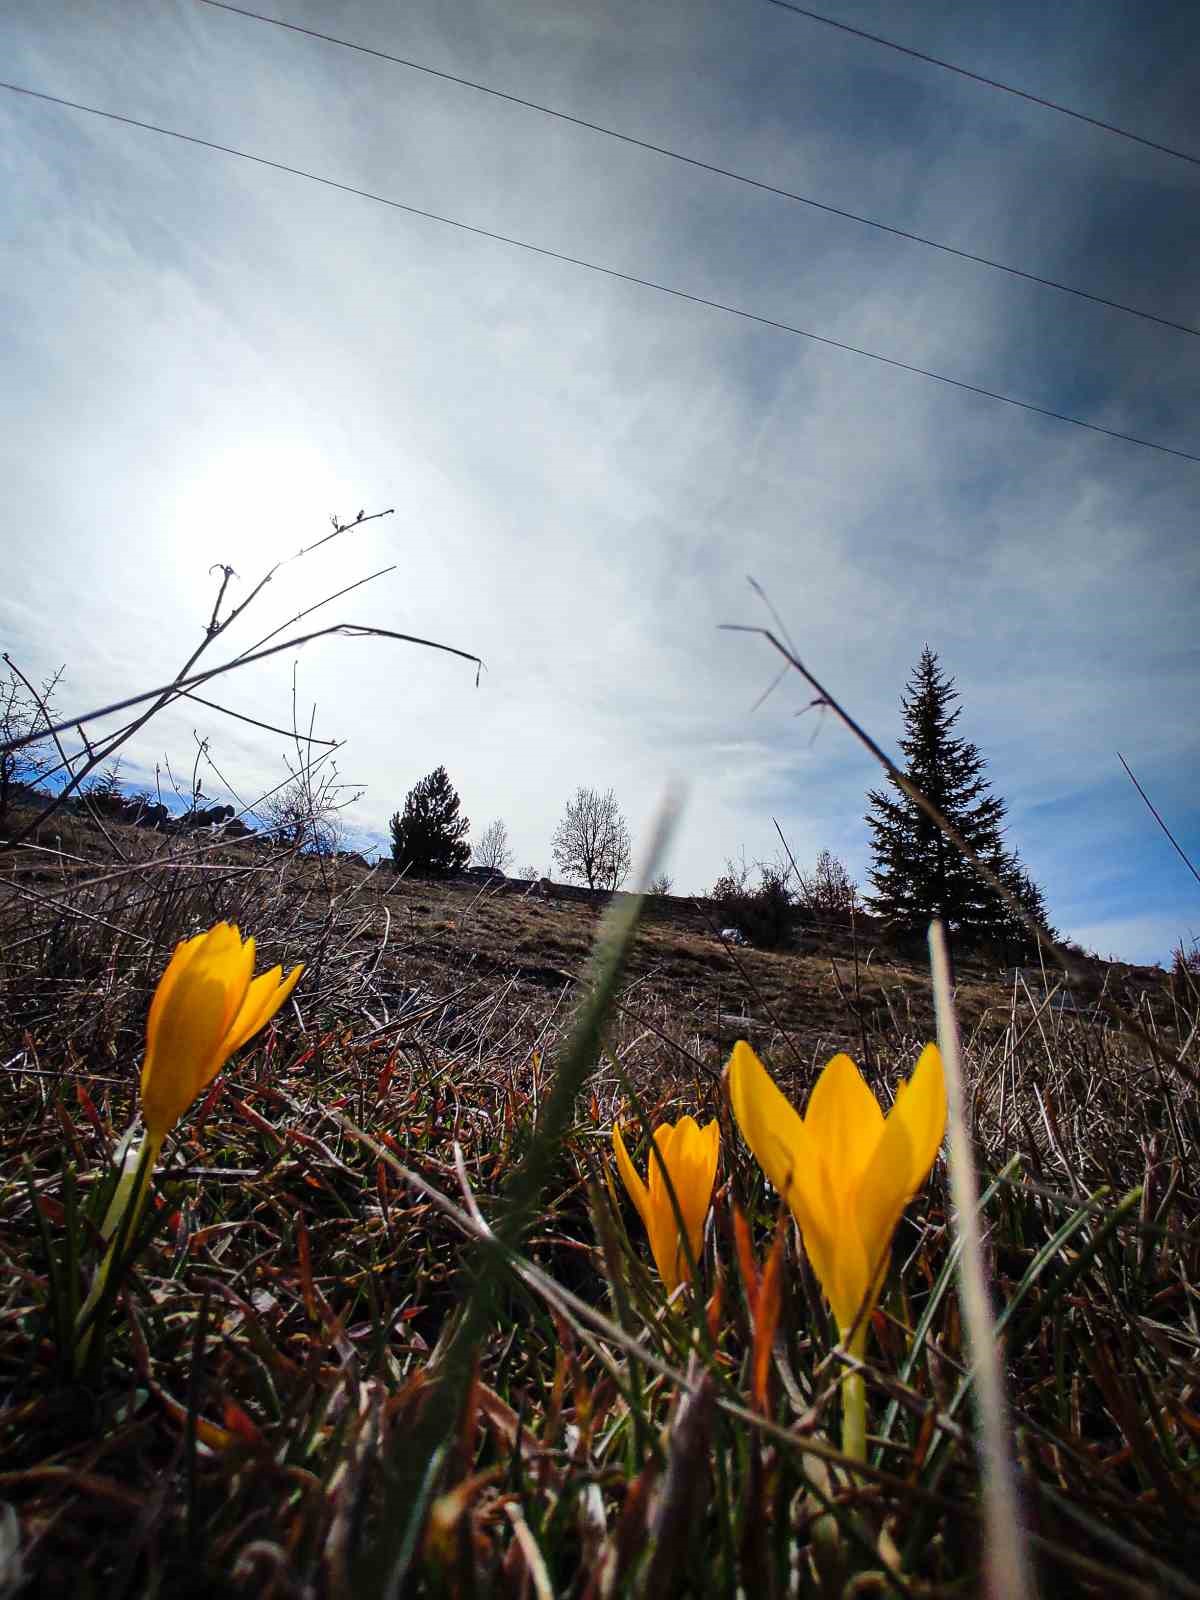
{"points": [[918, 875], [429, 838]]}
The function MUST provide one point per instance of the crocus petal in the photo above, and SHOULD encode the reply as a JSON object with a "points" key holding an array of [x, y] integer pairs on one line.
{"points": [[885, 1191], [921, 1106], [663, 1139], [263, 999], [845, 1122], [848, 1277], [692, 1163], [793, 1164], [631, 1178], [906, 1152], [661, 1225], [770, 1124], [697, 1158], [846, 1171], [668, 1141], [238, 963], [689, 1155], [184, 951]]}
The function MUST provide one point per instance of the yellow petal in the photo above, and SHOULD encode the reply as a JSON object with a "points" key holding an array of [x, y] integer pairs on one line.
{"points": [[883, 1195], [263, 999], [770, 1124], [693, 1169], [663, 1139], [845, 1121], [696, 1155], [184, 951], [793, 1164], [845, 1124], [630, 1177], [911, 1136], [237, 965], [921, 1106], [661, 1224], [186, 1053], [848, 1276]]}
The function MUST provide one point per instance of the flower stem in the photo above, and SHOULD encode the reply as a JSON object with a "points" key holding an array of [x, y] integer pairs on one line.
{"points": [[121, 1219], [854, 1401]]}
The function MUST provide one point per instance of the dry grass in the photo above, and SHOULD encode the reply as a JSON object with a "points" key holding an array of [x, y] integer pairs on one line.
{"points": [[286, 1408]]}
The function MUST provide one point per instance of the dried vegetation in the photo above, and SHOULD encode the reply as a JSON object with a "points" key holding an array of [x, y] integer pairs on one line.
{"points": [[284, 1410]]}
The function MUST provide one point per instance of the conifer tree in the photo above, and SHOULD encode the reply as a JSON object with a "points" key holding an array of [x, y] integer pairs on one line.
{"points": [[429, 836], [918, 874], [1011, 935]]}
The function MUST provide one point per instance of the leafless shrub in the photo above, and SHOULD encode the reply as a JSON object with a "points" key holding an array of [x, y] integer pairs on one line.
{"points": [[27, 750], [765, 913], [828, 892], [305, 813]]}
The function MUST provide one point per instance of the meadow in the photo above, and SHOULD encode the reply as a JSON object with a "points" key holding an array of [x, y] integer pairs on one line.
{"points": [[391, 1325]]}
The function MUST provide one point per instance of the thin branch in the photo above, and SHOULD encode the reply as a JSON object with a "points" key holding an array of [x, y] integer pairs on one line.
{"points": [[329, 598], [1157, 818], [348, 630], [254, 722], [338, 527], [227, 572]]}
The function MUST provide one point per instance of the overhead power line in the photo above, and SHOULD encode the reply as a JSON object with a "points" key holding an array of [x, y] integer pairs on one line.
{"points": [[597, 267], [990, 83], [707, 166]]}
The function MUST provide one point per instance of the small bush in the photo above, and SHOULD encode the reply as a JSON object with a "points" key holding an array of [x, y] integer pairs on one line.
{"points": [[766, 915]]}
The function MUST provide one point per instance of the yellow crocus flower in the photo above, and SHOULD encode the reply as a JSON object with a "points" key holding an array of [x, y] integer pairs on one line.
{"points": [[206, 1006], [689, 1154], [845, 1169]]}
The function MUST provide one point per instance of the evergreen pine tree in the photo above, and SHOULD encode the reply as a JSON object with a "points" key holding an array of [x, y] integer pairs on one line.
{"points": [[918, 874], [1012, 937], [429, 836]]}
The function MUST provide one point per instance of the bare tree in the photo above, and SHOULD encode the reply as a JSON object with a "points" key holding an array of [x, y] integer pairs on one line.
{"points": [[591, 844], [22, 713], [531, 873], [303, 812], [493, 850], [828, 890], [663, 884]]}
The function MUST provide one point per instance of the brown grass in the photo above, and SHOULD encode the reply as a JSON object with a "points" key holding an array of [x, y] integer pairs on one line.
{"points": [[279, 1349]]}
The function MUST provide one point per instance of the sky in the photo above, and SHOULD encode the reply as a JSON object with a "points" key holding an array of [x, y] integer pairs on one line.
{"points": [[205, 358]]}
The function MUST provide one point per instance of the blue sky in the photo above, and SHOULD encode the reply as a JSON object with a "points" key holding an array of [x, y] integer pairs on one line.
{"points": [[204, 359]]}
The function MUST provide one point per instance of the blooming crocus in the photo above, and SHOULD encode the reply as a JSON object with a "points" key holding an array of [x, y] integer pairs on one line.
{"points": [[206, 1006], [847, 1172], [845, 1169], [689, 1154]]}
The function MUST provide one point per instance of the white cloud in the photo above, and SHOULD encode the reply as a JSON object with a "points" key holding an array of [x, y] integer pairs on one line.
{"points": [[209, 358]]}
